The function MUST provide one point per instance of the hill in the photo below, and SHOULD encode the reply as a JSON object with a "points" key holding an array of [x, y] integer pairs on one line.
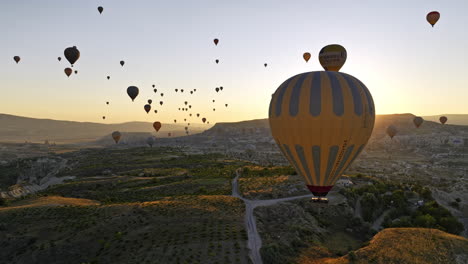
{"points": [[460, 119], [408, 245], [20, 129]]}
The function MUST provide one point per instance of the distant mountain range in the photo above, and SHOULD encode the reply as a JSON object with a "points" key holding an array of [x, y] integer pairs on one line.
{"points": [[20, 129]]}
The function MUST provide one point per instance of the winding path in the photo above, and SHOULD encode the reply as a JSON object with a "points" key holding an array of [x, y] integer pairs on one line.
{"points": [[254, 242]]}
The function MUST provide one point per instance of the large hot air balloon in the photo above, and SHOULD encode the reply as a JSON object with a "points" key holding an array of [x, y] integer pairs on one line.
{"points": [[150, 141], [391, 131], [216, 41], [418, 121], [100, 9], [306, 56], [321, 121], [433, 17], [68, 71], [72, 54], [16, 59], [147, 108], [116, 136], [204, 120], [157, 125], [133, 91], [122, 63], [443, 120], [332, 57]]}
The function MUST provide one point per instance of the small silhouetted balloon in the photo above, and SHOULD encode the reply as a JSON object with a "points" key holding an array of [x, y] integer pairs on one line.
{"points": [[59, 58], [155, 90], [122, 63], [100, 9], [216, 41], [161, 102], [72, 54], [217, 61], [108, 77], [16, 59], [76, 72], [147, 108], [221, 88], [150, 101], [68, 71], [217, 89], [133, 91], [265, 64]]}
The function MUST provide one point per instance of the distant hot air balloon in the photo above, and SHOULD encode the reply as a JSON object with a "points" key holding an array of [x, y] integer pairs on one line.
{"points": [[418, 121], [150, 141], [175, 121], [176, 90], [185, 119], [190, 115], [226, 105], [186, 128], [154, 85], [147, 108], [433, 17], [221, 88], [321, 121], [116, 136], [217, 61], [157, 126], [391, 131], [100, 9], [190, 106], [443, 120], [16, 59], [213, 100], [68, 71], [306, 56], [216, 41], [191, 92], [150, 101], [155, 90], [107, 103], [155, 111], [204, 120], [59, 58], [265, 64], [214, 109], [198, 115], [185, 102], [168, 134], [161, 102], [217, 89], [332, 57], [76, 72], [194, 90], [72, 54], [133, 91], [103, 117], [108, 77], [122, 63], [162, 94], [181, 90]]}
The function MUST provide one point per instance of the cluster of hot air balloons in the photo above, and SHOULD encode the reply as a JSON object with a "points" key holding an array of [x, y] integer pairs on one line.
{"points": [[417, 121]]}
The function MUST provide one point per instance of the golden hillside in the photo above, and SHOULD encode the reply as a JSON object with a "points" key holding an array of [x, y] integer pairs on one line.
{"points": [[406, 245]]}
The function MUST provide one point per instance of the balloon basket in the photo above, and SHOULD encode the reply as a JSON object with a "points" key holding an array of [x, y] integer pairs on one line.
{"points": [[319, 200]]}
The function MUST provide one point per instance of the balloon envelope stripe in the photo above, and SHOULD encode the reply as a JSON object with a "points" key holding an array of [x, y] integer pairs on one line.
{"points": [[331, 160], [315, 106], [316, 158], [357, 100], [295, 95], [302, 158], [339, 170], [291, 157], [337, 93], [279, 98], [370, 101]]}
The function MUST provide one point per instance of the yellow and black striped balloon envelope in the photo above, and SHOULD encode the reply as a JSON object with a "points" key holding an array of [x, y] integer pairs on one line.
{"points": [[321, 121], [332, 57]]}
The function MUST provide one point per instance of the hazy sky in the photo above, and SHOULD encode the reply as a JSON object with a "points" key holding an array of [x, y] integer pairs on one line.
{"points": [[408, 66]]}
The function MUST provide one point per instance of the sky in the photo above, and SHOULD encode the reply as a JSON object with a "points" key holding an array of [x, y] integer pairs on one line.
{"points": [[408, 66]]}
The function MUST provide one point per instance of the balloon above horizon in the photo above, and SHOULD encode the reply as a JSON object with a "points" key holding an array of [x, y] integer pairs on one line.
{"points": [[332, 57], [321, 121], [433, 17]]}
